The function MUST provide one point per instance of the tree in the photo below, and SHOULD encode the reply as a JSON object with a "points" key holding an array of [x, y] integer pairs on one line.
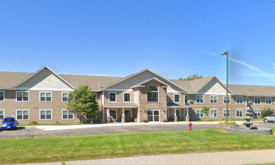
{"points": [[191, 77], [82, 102], [205, 110], [267, 112]]}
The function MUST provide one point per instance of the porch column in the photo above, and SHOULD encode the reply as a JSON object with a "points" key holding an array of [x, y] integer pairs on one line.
{"points": [[123, 116], [187, 116], [175, 115], [108, 115]]}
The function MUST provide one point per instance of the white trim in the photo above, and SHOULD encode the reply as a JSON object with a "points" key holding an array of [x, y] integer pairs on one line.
{"points": [[45, 67], [23, 97], [95, 94], [202, 99], [23, 114], [110, 113], [152, 91], [214, 77], [43, 89], [186, 101], [238, 110], [172, 91], [213, 100], [257, 110], [45, 114], [67, 114], [132, 75], [109, 97], [269, 98], [237, 99], [45, 97], [153, 115], [154, 78], [255, 100], [4, 96], [124, 98], [63, 97], [175, 98], [229, 100], [3, 113], [213, 110], [229, 113], [201, 113]]}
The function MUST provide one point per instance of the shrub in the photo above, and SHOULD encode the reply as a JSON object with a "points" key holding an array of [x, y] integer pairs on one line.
{"points": [[205, 110], [33, 123], [267, 112]]}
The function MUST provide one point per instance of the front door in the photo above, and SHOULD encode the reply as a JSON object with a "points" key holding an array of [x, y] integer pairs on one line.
{"points": [[153, 115], [178, 114]]}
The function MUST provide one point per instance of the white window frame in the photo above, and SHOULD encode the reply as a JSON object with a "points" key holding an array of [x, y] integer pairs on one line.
{"points": [[200, 113], [202, 99], [4, 96], [153, 92], [213, 110], [237, 99], [228, 99], [229, 113], [67, 115], [259, 111], [270, 100], [257, 100], [175, 98], [185, 99], [214, 99], [124, 97], [3, 113], [22, 97], [237, 113], [23, 114], [109, 97], [95, 95], [45, 97], [63, 97], [45, 114], [113, 110]]}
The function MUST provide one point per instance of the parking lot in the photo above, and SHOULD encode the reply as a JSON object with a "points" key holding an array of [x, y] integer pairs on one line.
{"points": [[32, 131]]}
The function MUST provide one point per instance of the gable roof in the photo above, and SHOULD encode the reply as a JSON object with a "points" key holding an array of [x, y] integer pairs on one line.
{"points": [[40, 70], [140, 84], [252, 90]]}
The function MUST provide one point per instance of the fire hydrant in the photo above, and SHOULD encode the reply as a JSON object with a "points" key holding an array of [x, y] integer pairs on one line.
{"points": [[190, 126]]}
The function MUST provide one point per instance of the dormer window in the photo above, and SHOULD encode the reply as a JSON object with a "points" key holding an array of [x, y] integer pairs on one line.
{"points": [[152, 94]]}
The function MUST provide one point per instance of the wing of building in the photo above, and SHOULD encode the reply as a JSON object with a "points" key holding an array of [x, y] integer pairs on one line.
{"points": [[144, 96]]}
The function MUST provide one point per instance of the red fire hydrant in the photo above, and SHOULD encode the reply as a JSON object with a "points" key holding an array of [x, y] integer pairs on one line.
{"points": [[190, 126]]}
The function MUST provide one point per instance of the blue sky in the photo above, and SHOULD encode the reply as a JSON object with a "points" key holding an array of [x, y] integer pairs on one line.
{"points": [[174, 38]]}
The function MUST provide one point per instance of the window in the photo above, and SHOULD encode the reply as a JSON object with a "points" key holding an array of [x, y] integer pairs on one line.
{"points": [[239, 99], [199, 99], [113, 114], [268, 100], [2, 96], [213, 113], [2, 114], [213, 99], [177, 98], [186, 99], [45, 96], [224, 113], [112, 97], [257, 100], [45, 114], [257, 113], [22, 114], [199, 113], [239, 113], [94, 96], [65, 96], [127, 113], [224, 99], [22, 96], [152, 94], [127, 97], [67, 115]]}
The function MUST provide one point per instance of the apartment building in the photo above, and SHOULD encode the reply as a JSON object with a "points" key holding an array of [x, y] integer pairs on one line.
{"points": [[144, 96]]}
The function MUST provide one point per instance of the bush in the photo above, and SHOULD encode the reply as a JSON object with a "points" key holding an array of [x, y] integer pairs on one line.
{"points": [[33, 123], [267, 112]]}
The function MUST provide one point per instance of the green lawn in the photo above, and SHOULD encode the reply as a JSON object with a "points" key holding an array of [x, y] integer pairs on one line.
{"points": [[24, 150]]}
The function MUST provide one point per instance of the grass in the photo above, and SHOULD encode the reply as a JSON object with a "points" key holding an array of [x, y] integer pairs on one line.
{"points": [[49, 149]]}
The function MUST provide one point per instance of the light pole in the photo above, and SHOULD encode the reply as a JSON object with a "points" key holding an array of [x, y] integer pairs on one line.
{"points": [[223, 54]]}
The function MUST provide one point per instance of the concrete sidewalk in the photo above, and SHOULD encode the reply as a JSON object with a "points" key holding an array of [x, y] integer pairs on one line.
{"points": [[214, 158]]}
